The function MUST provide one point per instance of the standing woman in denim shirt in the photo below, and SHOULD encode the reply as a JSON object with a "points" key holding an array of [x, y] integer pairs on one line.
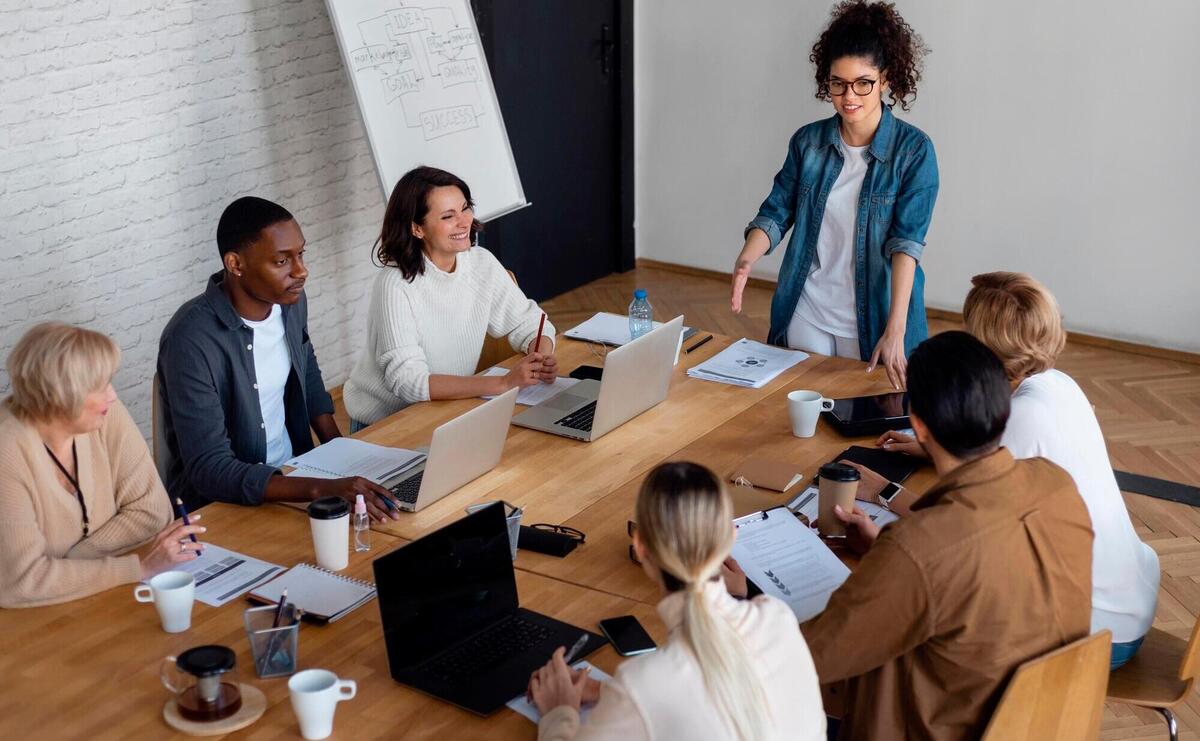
{"points": [[857, 190]]}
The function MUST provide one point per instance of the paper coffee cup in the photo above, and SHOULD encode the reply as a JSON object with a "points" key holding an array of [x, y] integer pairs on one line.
{"points": [[839, 484], [329, 518]]}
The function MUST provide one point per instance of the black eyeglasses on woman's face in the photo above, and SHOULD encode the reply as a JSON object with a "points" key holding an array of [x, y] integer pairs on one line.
{"points": [[631, 528], [861, 86]]}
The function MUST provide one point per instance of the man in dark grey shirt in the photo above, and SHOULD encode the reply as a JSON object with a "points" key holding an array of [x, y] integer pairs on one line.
{"points": [[233, 413]]}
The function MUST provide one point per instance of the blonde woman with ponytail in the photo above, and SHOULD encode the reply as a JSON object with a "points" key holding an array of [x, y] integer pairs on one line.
{"points": [[730, 669]]}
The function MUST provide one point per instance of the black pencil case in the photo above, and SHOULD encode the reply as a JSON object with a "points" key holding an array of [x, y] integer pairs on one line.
{"points": [[544, 541]]}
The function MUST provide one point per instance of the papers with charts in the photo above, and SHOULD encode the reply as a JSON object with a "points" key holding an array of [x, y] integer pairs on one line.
{"points": [[788, 561], [536, 394], [345, 456], [747, 363], [530, 711], [222, 575], [806, 502]]}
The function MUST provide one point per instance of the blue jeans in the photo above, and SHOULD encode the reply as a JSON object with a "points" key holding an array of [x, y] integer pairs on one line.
{"points": [[356, 426], [1123, 652]]}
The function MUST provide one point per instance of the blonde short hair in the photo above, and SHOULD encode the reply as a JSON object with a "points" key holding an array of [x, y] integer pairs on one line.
{"points": [[1018, 318], [53, 368]]}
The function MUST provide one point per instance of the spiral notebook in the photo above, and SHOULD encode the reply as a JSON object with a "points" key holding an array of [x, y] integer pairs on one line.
{"points": [[323, 595]]}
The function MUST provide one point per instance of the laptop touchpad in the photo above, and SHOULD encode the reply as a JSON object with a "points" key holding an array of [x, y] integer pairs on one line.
{"points": [[564, 401]]}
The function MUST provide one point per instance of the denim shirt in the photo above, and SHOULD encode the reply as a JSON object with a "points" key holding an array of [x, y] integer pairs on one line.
{"points": [[208, 399], [894, 210]]}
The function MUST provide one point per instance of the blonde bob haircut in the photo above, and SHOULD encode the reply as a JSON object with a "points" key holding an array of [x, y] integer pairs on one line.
{"points": [[1018, 318], [53, 368]]}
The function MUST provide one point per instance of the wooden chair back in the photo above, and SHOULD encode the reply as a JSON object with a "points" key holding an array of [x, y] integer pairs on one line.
{"points": [[1191, 657], [495, 349], [1058, 695]]}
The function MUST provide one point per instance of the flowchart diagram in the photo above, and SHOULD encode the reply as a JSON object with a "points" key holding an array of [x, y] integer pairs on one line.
{"points": [[427, 62]]}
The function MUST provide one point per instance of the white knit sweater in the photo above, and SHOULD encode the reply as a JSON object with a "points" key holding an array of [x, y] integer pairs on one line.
{"points": [[435, 325]]}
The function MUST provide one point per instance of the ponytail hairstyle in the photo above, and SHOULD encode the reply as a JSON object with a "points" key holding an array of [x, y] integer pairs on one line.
{"points": [[877, 32], [685, 525], [409, 204]]}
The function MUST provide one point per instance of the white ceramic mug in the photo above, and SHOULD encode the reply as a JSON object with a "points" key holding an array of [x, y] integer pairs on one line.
{"points": [[315, 694], [172, 593], [804, 407]]}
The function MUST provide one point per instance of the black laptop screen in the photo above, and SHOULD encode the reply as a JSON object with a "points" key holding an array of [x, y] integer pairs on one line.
{"points": [[446, 586]]}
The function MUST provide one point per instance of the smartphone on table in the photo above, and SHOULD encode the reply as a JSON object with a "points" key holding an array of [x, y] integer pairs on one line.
{"points": [[627, 635]]}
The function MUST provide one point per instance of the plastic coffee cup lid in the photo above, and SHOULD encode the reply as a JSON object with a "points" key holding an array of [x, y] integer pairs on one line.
{"points": [[839, 472], [328, 508]]}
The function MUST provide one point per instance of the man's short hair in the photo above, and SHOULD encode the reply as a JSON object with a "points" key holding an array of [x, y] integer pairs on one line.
{"points": [[54, 366], [243, 221], [1018, 318], [958, 388]]}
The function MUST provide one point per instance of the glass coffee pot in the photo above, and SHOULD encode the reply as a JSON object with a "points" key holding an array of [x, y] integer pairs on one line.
{"points": [[204, 681]]}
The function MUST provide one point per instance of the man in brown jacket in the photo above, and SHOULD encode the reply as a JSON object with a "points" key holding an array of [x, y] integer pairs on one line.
{"points": [[991, 568]]}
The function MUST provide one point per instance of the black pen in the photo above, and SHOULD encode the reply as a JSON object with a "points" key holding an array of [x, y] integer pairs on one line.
{"points": [[183, 514], [698, 344]]}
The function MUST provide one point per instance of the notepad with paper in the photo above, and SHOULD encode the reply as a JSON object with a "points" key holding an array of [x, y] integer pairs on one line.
{"points": [[323, 595], [345, 456]]}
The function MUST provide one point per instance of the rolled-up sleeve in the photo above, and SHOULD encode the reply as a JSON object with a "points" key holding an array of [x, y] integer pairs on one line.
{"points": [[914, 205], [199, 425], [778, 212]]}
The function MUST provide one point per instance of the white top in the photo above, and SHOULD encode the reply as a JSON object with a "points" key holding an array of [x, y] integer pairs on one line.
{"points": [[272, 366], [827, 300], [435, 325], [1052, 418], [662, 695]]}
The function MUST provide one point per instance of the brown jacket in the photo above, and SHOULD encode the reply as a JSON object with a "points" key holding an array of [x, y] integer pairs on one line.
{"points": [[992, 568]]}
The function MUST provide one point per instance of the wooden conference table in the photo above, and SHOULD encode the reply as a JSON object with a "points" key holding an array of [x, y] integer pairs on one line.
{"points": [[90, 668]]}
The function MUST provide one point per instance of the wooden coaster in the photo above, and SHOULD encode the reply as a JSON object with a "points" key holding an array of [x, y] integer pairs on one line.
{"points": [[254, 704]]}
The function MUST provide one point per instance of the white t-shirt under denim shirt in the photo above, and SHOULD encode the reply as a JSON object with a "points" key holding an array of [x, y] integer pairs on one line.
{"points": [[827, 301], [1052, 418], [272, 366]]}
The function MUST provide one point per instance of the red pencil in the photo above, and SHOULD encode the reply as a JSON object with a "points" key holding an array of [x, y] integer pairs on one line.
{"points": [[537, 345]]}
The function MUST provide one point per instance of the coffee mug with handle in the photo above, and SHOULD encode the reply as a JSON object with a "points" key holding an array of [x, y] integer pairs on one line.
{"points": [[804, 407], [315, 694], [172, 593]]}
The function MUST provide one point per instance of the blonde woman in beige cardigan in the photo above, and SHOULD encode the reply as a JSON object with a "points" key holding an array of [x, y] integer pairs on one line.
{"points": [[731, 669], [81, 505]]}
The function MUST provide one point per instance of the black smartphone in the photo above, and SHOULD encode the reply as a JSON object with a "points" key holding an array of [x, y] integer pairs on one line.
{"points": [[585, 372], [627, 635]]}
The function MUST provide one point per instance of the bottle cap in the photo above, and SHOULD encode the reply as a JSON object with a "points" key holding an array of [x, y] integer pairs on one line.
{"points": [[640, 293], [360, 505]]}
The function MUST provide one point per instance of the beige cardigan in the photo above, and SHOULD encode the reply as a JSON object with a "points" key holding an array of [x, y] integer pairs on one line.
{"points": [[44, 557], [662, 695]]}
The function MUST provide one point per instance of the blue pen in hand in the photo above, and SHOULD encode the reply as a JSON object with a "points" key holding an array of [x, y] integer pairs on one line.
{"points": [[183, 513]]}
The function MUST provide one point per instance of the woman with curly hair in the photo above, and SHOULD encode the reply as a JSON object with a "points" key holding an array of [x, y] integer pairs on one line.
{"points": [[857, 190]]}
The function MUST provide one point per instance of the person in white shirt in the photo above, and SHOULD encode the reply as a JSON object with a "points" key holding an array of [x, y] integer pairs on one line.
{"points": [[436, 298], [1019, 319], [730, 669]]}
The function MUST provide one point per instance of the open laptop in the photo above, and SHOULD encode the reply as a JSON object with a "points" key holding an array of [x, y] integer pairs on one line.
{"points": [[636, 377], [452, 622], [462, 450]]}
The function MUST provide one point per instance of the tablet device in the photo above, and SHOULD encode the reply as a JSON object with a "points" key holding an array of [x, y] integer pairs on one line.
{"points": [[870, 415]]}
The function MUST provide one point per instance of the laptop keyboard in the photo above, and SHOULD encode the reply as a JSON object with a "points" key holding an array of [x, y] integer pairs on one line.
{"points": [[511, 636], [407, 490], [580, 419]]}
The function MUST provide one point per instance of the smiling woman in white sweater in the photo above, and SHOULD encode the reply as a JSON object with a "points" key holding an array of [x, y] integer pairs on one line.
{"points": [[433, 302]]}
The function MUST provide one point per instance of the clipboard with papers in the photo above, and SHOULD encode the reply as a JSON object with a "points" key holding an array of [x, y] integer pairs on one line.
{"points": [[788, 560]]}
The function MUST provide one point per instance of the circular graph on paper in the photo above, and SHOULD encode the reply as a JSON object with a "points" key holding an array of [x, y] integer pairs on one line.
{"points": [[751, 362]]}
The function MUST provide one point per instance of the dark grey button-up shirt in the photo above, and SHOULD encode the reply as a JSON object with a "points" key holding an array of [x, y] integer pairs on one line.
{"points": [[208, 399]]}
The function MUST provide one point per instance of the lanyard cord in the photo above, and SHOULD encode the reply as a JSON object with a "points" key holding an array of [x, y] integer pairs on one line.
{"points": [[72, 479]]}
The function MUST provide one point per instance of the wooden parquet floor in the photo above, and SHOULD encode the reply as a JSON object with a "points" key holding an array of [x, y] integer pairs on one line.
{"points": [[1149, 409]]}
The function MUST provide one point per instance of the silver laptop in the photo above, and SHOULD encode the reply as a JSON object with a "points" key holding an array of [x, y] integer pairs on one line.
{"points": [[636, 377], [462, 450]]}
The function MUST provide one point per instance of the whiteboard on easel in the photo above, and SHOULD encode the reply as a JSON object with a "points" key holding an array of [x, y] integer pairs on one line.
{"points": [[426, 96]]}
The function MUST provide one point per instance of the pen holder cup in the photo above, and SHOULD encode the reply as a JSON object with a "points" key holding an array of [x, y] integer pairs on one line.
{"points": [[512, 516], [273, 649]]}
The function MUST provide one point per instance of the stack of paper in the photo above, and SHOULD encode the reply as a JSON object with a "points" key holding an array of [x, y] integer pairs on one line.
{"points": [[536, 394], [345, 456], [747, 363], [609, 329]]}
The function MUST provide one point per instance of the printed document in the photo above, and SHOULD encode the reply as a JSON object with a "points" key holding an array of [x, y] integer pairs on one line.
{"points": [[806, 503], [788, 561], [222, 575], [345, 456], [530, 711], [747, 363], [608, 329], [537, 393]]}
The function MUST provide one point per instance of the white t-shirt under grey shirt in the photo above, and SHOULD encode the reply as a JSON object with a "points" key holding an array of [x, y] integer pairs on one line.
{"points": [[272, 366], [827, 301], [1052, 418]]}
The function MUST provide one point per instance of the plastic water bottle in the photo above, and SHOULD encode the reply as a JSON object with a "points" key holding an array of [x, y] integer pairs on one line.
{"points": [[641, 315]]}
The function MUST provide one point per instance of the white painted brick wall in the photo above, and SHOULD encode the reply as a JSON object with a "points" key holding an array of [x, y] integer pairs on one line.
{"points": [[126, 126]]}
